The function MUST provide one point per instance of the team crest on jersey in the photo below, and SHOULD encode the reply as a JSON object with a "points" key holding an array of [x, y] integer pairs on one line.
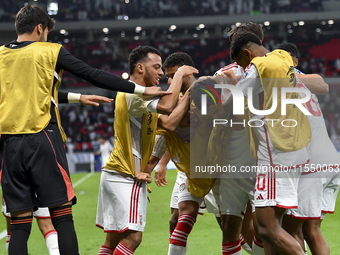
{"points": [[182, 187]]}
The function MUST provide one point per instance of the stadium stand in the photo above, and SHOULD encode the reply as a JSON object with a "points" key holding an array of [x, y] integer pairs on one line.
{"points": [[107, 9]]}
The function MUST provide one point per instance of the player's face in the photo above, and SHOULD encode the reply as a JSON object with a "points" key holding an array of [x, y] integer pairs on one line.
{"points": [[170, 72], [153, 70]]}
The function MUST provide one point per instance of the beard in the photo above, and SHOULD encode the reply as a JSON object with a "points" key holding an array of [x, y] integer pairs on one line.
{"points": [[147, 78]]}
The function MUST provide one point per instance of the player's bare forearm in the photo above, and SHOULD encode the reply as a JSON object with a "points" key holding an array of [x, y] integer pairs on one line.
{"points": [[172, 121], [160, 172], [168, 103], [151, 164], [314, 83], [165, 159]]}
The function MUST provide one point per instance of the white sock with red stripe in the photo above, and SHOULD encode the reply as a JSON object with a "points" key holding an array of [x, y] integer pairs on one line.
{"points": [[232, 248], [257, 246], [7, 241], [51, 239], [245, 246], [178, 239], [170, 233], [104, 250], [122, 249]]}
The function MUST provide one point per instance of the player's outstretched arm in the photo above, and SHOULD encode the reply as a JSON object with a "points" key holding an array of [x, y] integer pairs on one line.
{"points": [[314, 83], [102, 79], [69, 97], [168, 103]]}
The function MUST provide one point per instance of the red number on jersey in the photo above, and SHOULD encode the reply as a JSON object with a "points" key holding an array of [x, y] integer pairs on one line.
{"points": [[312, 105]]}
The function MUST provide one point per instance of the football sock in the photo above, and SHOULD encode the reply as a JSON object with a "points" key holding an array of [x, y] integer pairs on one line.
{"points": [[104, 250], [20, 231], [51, 239], [178, 239], [257, 246], [63, 223], [232, 248], [122, 249]]}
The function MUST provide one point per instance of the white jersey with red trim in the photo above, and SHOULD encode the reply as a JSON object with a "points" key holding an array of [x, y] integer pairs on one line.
{"points": [[321, 150], [238, 70], [238, 148]]}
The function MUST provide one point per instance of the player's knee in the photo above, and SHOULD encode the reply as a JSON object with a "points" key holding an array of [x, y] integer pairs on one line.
{"points": [[311, 231], [137, 239], [266, 233], [232, 224]]}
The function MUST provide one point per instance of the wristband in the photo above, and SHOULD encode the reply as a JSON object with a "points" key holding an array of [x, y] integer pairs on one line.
{"points": [[139, 90], [73, 97]]}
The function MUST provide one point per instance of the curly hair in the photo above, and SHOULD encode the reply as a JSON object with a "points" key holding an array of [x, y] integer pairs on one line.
{"points": [[139, 54], [241, 41], [248, 27], [178, 59]]}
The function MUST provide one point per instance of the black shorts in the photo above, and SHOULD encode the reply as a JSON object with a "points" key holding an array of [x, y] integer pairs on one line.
{"points": [[35, 171]]}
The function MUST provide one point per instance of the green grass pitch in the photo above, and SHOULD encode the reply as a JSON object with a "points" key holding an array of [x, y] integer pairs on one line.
{"points": [[204, 239]]}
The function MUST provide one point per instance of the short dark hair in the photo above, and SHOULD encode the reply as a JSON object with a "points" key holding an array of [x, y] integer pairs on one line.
{"points": [[139, 54], [29, 17], [201, 87], [241, 41], [289, 47], [248, 27], [178, 59]]}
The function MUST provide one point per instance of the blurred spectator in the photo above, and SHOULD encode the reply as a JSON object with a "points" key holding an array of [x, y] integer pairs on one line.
{"points": [[105, 149]]}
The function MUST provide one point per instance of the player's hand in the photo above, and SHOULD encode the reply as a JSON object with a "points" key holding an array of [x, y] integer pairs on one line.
{"points": [[143, 177], [155, 91], [160, 176], [186, 70], [94, 100], [187, 93], [231, 75]]}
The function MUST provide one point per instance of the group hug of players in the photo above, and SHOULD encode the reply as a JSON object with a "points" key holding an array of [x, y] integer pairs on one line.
{"points": [[271, 211]]}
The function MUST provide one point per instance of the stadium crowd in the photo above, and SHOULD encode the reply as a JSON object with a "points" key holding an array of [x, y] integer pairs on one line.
{"points": [[134, 9]]}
